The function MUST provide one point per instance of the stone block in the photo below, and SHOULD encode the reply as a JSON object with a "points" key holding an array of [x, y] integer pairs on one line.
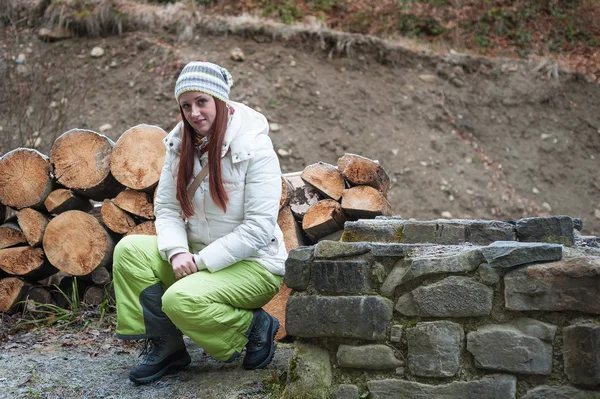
{"points": [[454, 296], [394, 277], [372, 357], [396, 333], [488, 275], [297, 268], [431, 263], [347, 391], [507, 254], [581, 349], [363, 317], [416, 232], [337, 249], [556, 229], [392, 250], [449, 233], [434, 348], [535, 328], [485, 232], [560, 392], [340, 277], [310, 374], [571, 284], [506, 348], [373, 230], [492, 386]]}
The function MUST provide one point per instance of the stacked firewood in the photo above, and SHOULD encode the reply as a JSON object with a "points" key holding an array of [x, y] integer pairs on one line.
{"points": [[317, 202], [70, 209]]}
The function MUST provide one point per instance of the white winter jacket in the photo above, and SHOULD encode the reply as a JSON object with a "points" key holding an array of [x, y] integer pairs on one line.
{"points": [[252, 179]]}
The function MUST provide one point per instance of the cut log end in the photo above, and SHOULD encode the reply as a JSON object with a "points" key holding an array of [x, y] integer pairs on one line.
{"points": [[25, 261], [138, 157], [33, 224], [325, 178], [144, 229], [93, 296], [365, 202], [135, 202], [358, 170], [116, 219], [25, 179], [81, 159], [12, 290], [76, 243], [323, 218], [62, 200], [11, 235]]}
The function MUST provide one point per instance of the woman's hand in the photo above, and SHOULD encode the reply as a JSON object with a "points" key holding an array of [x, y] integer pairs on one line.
{"points": [[183, 264]]}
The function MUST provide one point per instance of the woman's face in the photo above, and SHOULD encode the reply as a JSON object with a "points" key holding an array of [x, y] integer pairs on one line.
{"points": [[199, 109]]}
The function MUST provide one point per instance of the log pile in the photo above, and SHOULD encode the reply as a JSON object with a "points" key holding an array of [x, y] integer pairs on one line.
{"points": [[70, 209]]}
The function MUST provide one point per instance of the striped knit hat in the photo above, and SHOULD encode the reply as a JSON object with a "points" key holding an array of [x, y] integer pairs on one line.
{"points": [[206, 77]]}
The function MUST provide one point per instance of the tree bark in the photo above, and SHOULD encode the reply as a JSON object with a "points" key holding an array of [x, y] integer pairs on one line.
{"points": [[287, 190], [325, 178], [27, 262], [76, 243], [361, 171], [365, 202], [101, 276], [302, 199], [11, 235], [135, 202], [33, 224], [138, 157], [293, 236], [62, 200], [144, 229], [25, 179], [12, 291], [116, 219], [81, 161], [323, 218]]}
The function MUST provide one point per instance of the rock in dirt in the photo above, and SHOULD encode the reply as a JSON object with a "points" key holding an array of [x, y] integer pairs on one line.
{"points": [[55, 34], [97, 52], [237, 54], [105, 127]]}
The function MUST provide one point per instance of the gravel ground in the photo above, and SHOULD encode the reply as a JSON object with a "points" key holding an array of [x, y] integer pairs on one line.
{"points": [[94, 364]]}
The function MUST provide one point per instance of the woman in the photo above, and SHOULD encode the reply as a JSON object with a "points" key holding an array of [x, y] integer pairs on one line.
{"points": [[219, 255]]}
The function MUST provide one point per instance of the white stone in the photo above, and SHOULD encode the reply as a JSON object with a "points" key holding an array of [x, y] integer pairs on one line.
{"points": [[105, 127], [97, 52], [446, 215], [274, 127], [292, 63], [535, 190], [237, 54], [113, 64], [547, 206], [428, 78], [545, 136], [597, 213], [284, 153]]}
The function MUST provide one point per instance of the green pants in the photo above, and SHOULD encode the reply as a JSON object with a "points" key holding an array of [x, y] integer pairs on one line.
{"points": [[213, 309]]}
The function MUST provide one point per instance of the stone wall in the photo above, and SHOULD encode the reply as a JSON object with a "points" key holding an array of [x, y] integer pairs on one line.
{"points": [[450, 309]]}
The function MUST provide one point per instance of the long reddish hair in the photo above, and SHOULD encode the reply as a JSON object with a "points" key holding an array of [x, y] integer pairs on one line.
{"points": [[186, 161]]}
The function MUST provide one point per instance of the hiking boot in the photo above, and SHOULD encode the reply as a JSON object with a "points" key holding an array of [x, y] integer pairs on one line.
{"points": [[158, 356], [261, 340]]}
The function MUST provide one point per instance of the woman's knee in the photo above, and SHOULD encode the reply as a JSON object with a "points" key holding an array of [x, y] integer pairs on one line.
{"points": [[179, 300], [128, 250]]}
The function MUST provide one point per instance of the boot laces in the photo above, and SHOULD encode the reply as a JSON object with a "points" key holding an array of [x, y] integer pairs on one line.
{"points": [[152, 348]]}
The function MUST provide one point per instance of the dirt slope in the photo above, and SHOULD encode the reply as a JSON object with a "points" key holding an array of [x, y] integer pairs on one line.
{"points": [[472, 137]]}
